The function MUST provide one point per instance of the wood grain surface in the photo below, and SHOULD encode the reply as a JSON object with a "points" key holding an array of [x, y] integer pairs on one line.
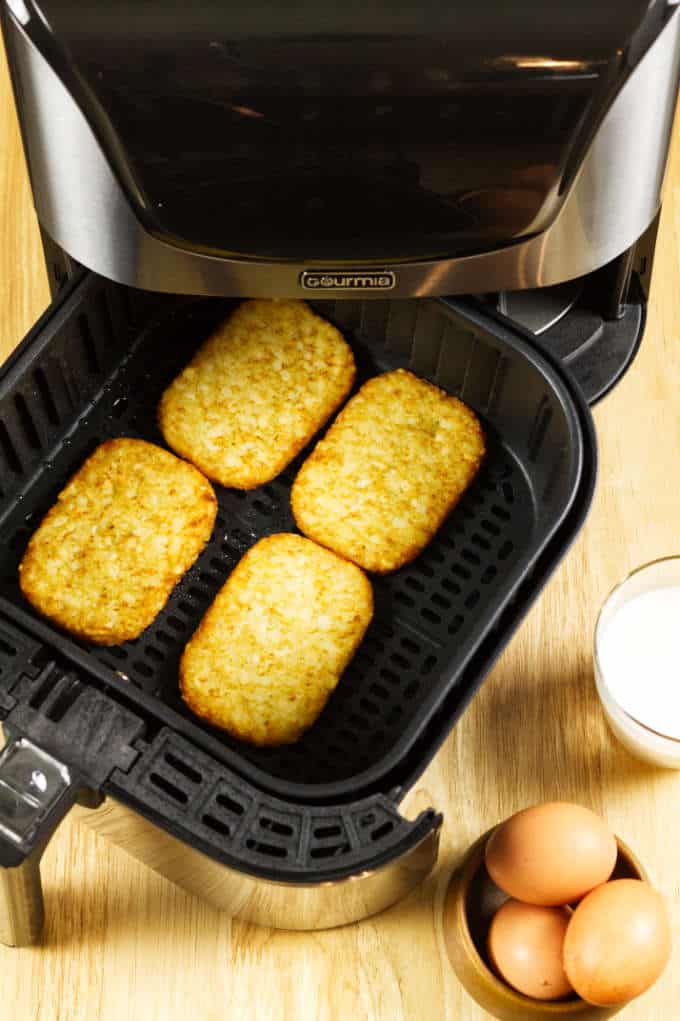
{"points": [[122, 942]]}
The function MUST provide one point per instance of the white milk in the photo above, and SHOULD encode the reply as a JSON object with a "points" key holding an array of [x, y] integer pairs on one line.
{"points": [[639, 654]]}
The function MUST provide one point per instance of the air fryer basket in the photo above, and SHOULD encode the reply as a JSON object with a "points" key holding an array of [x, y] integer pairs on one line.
{"points": [[94, 368], [90, 383]]}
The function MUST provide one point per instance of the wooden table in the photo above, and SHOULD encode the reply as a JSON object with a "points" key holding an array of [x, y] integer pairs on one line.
{"points": [[120, 941]]}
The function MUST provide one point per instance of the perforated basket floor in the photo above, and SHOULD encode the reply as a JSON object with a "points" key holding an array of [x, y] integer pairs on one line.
{"points": [[99, 372]]}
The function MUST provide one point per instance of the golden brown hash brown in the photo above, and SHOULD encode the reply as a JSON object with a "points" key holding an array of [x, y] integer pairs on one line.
{"points": [[256, 392], [273, 645], [123, 531], [384, 477]]}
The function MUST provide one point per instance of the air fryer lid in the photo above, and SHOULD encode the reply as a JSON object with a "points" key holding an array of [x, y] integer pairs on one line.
{"points": [[95, 367], [325, 131]]}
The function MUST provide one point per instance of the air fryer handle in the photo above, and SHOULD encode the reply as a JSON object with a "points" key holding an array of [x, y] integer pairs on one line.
{"points": [[36, 792]]}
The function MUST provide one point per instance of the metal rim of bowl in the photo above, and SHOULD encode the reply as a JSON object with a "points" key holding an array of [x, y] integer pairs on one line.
{"points": [[596, 641]]}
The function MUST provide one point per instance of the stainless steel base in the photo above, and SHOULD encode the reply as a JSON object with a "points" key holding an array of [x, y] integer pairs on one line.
{"points": [[277, 905]]}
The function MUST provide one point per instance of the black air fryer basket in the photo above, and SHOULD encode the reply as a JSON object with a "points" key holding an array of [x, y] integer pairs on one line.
{"points": [[326, 808]]}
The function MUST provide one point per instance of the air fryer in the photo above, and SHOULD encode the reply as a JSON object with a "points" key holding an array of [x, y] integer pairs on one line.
{"points": [[471, 191]]}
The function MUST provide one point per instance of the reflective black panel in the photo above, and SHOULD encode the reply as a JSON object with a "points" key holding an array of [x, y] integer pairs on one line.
{"points": [[379, 131]]}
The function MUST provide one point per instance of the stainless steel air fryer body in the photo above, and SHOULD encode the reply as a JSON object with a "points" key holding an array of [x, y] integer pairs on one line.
{"points": [[421, 148], [383, 151]]}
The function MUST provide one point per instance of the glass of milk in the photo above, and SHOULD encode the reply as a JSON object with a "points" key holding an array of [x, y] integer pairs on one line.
{"points": [[637, 662]]}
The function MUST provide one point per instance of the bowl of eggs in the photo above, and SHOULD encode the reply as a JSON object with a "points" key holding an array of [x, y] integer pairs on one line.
{"points": [[550, 915]]}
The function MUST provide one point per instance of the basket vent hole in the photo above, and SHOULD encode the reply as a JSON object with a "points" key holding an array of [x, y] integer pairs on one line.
{"points": [[142, 668], [500, 512], [393, 715], [211, 578], [410, 645], [461, 572], [217, 825], [27, 423], [490, 527], [9, 450], [389, 675], [424, 569], [381, 831], [269, 850], [153, 653], [44, 686], [64, 700], [183, 767], [441, 601], [508, 492], [404, 599], [473, 599], [480, 541], [324, 832], [505, 550], [273, 826], [429, 663], [105, 313], [224, 801], [399, 660], [379, 691], [471, 557], [451, 586], [368, 819], [414, 584], [489, 575], [456, 624], [370, 706], [430, 615], [411, 690], [6, 648], [165, 638], [334, 851], [169, 788], [89, 350], [176, 624]]}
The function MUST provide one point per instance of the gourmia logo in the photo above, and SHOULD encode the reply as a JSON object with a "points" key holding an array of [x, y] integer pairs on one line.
{"points": [[357, 280]]}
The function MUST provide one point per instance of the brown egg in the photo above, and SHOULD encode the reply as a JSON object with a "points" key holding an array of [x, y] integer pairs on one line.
{"points": [[525, 947], [618, 942], [551, 854]]}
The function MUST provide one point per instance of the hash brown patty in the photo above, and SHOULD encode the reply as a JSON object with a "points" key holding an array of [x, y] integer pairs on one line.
{"points": [[256, 392], [394, 463], [276, 640], [123, 531]]}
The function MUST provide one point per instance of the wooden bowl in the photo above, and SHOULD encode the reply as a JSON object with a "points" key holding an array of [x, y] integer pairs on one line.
{"points": [[472, 900]]}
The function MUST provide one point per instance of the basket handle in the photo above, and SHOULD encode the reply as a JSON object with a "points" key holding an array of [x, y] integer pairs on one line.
{"points": [[36, 792]]}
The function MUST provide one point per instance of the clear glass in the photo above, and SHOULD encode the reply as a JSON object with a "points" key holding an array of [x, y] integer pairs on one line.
{"points": [[645, 743]]}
